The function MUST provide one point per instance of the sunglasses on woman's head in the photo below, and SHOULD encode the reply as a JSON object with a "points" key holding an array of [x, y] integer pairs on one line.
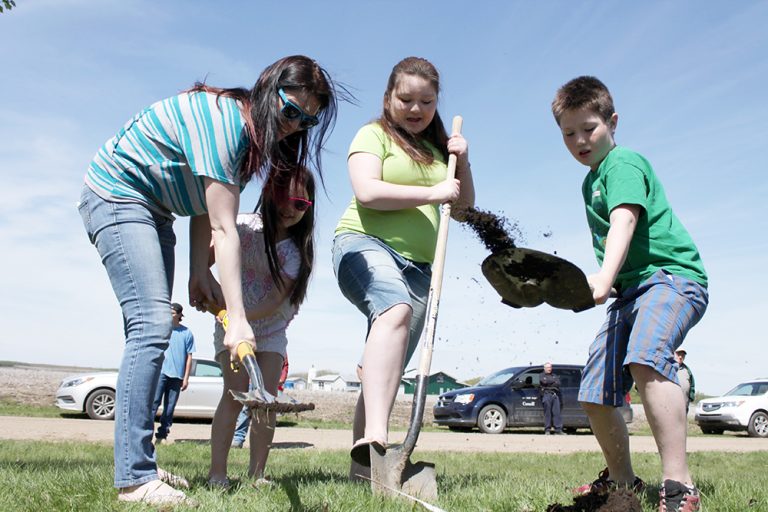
{"points": [[292, 111], [299, 203]]}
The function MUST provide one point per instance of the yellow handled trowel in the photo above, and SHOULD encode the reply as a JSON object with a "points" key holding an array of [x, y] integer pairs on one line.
{"points": [[258, 397]]}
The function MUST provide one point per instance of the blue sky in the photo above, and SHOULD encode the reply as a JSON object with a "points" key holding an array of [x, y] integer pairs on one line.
{"points": [[688, 79]]}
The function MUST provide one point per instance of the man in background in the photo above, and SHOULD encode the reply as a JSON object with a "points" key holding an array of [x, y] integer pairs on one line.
{"points": [[685, 377], [550, 399], [174, 376]]}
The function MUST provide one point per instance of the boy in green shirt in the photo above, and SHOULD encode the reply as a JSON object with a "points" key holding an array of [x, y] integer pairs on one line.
{"points": [[650, 263]]}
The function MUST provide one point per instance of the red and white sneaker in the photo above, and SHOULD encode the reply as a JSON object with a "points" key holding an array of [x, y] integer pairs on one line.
{"points": [[675, 496]]}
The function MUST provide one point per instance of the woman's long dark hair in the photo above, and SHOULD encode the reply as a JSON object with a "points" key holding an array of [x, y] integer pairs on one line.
{"points": [[434, 133], [299, 151], [276, 190]]}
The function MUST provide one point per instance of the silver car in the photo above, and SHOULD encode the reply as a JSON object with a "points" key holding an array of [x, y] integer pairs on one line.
{"points": [[94, 393]]}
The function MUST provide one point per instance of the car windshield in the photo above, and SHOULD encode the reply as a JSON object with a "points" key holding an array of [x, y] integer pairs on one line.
{"points": [[499, 377], [749, 389]]}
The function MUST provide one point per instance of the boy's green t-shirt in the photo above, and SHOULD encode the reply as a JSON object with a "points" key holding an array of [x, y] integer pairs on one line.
{"points": [[660, 241], [411, 232]]}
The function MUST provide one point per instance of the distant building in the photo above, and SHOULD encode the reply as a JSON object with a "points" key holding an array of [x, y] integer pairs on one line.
{"points": [[335, 382], [438, 383], [295, 383]]}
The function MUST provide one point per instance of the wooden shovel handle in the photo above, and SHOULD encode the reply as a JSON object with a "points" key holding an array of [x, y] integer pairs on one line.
{"points": [[438, 265], [433, 302]]}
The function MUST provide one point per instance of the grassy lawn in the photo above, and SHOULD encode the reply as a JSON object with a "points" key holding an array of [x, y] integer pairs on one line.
{"points": [[78, 476]]}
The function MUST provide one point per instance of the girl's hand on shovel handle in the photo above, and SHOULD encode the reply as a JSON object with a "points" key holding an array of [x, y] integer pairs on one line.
{"points": [[446, 191], [458, 146]]}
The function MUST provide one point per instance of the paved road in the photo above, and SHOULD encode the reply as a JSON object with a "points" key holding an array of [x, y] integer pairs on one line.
{"points": [[60, 429]]}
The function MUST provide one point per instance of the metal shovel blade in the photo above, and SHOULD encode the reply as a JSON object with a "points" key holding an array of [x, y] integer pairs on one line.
{"points": [[526, 278], [394, 469]]}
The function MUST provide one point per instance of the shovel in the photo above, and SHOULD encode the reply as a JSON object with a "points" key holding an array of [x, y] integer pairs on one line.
{"points": [[526, 278], [392, 468], [258, 397]]}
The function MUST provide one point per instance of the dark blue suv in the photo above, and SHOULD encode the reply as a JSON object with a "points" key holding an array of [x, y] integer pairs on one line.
{"points": [[510, 398]]}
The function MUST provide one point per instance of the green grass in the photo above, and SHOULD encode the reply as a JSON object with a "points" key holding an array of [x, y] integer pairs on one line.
{"points": [[10, 407], [78, 476]]}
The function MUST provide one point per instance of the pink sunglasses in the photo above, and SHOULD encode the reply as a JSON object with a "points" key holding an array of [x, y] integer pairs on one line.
{"points": [[299, 203]]}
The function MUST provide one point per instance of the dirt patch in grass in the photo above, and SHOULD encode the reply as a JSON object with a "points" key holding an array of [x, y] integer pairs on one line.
{"points": [[620, 500]]}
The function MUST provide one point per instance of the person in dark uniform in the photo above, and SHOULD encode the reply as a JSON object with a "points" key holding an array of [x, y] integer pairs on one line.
{"points": [[550, 399]]}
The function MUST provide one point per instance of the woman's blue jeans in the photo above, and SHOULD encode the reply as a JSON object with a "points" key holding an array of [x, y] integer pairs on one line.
{"points": [[136, 247]]}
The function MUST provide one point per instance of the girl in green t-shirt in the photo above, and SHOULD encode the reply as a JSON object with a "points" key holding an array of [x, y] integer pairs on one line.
{"points": [[385, 241]]}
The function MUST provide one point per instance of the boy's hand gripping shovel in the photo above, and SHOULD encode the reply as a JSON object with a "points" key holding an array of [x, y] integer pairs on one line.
{"points": [[258, 397], [393, 468]]}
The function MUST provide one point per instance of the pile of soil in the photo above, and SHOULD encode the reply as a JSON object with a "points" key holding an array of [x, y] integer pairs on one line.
{"points": [[620, 500]]}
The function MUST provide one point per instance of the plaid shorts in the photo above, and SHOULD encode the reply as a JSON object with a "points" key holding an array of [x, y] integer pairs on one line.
{"points": [[644, 325]]}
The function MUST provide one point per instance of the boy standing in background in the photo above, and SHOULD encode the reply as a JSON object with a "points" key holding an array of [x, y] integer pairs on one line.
{"points": [[651, 263], [174, 375]]}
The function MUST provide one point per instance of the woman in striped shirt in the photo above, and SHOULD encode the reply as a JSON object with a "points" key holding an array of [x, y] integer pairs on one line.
{"points": [[191, 155]]}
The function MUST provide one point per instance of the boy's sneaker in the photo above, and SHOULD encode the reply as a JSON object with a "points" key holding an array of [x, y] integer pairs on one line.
{"points": [[604, 485], [678, 497]]}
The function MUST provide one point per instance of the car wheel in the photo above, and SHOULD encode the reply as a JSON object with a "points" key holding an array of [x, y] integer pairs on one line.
{"points": [[758, 425], [717, 431], [492, 419], [100, 404]]}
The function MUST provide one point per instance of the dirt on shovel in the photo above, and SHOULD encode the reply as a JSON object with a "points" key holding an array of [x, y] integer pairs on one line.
{"points": [[526, 277]]}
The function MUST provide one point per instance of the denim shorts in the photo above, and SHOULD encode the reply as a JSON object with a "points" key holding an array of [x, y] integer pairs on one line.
{"points": [[645, 325], [374, 278]]}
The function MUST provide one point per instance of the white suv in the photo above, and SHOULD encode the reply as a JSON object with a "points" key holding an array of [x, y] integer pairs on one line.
{"points": [[745, 407]]}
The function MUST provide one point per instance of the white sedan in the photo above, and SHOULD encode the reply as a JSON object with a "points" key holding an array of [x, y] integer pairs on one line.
{"points": [[745, 407], [94, 394]]}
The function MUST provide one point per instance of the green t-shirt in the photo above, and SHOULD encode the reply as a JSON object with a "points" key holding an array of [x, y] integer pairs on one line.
{"points": [[411, 232], [660, 241]]}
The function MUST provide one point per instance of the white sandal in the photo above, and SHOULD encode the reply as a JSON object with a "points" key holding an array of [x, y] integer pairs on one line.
{"points": [[154, 492]]}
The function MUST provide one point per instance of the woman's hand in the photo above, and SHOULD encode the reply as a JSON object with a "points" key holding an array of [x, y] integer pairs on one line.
{"points": [[204, 289], [238, 331]]}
